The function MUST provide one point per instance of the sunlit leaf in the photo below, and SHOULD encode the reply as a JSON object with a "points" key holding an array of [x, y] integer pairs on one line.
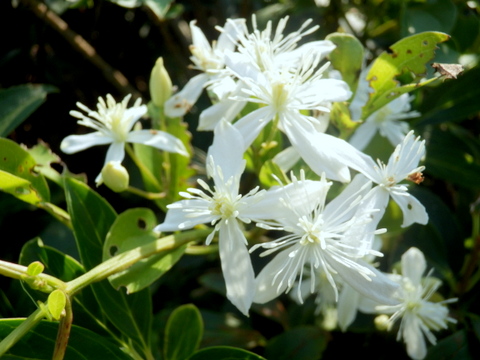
{"points": [[56, 303], [18, 175], [132, 229], [183, 332], [410, 54]]}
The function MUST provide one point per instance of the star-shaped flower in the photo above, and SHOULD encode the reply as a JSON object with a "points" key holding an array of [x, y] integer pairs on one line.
{"points": [[113, 123]]}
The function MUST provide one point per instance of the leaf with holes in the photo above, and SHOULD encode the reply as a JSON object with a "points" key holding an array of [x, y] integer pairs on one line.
{"points": [[410, 54], [18, 175], [132, 229]]}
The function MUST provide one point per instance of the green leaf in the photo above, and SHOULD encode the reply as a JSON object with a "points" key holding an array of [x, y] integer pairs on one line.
{"points": [[302, 343], [450, 159], [224, 353], [183, 332], [35, 268], [60, 265], [56, 303], [92, 218], [44, 157], [452, 100], [267, 171], [438, 15], [407, 55], [452, 347], [18, 102], [132, 229], [347, 57], [39, 343], [18, 175], [159, 7]]}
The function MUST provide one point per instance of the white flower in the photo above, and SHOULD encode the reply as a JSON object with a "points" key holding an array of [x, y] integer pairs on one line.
{"points": [[418, 315], [113, 123], [225, 208], [386, 121], [402, 165], [261, 51], [209, 59], [333, 237]]}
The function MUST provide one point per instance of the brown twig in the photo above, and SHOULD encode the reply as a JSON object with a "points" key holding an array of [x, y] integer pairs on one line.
{"points": [[112, 75]]}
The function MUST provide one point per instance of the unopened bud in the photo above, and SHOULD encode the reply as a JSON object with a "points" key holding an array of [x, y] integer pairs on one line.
{"points": [[115, 176], [382, 322], [160, 84]]}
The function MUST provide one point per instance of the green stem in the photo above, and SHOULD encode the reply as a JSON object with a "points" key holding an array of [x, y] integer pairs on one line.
{"points": [[146, 194], [28, 324], [63, 332], [58, 213], [142, 167], [124, 260], [41, 281]]}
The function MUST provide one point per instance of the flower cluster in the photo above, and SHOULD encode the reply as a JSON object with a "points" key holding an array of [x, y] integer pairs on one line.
{"points": [[325, 241]]}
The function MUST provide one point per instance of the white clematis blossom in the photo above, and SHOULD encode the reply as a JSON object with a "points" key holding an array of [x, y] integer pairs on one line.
{"points": [[387, 121], [113, 123], [209, 59], [225, 208], [333, 237], [418, 315], [402, 165]]}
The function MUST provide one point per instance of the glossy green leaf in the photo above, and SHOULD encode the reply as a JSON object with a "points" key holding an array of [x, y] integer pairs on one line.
{"points": [[347, 57], [134, 228], [224, 353], [302, 343], [19, 176], [183, 332], [92, 217], [410, 54], [39, 343], [18, 102]]}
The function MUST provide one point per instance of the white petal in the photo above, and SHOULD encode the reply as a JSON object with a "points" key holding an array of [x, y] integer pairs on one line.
{"points": [[287, 158], [180, 103], [133, 114], [363, 135], [413, 337], [266, 288], [250, 125], [179, 219], [229, 34], [227, 109], [158, 139], [413, 211], [236, 265], [75, 143], [329, 90], [414, 265], [347, 307], [380, 288], [320, 151], [198, 38], [227, 150]]}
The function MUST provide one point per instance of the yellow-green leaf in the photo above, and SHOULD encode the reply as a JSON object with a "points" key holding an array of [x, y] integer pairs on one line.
{"points": [[56, 303]]}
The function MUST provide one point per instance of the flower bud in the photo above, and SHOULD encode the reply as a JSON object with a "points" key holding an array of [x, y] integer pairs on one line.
{"points": [[115, 176], [160, 84]]}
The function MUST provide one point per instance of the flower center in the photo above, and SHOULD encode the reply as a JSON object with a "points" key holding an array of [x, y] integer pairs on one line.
{"points": [[279, 96], [223, 206], [313, 232]]}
